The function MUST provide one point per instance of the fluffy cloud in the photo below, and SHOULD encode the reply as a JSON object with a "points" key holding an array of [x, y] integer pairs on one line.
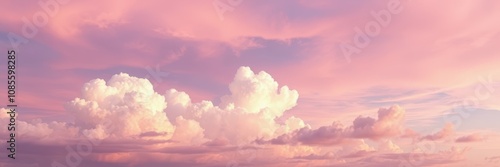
{"points": [[128, 107], [129, 103], [247, 114], [389, 123], [255, 93], [188, 131], [38, 131]]}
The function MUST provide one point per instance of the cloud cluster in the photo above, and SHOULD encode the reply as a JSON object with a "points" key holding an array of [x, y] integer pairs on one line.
{"points": [[129, 107], [388, 124], [36, 130], [247, 114], [325, 135], [129, 103], [133, 115]]}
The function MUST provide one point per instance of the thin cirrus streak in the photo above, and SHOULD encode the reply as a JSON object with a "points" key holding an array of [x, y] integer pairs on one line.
{"points": [[164, 83]]}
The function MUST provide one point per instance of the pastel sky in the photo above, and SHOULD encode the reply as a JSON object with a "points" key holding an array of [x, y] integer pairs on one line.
{"points": [[254, 83]]}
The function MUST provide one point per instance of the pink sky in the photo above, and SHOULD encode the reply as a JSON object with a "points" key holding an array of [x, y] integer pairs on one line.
{"points": [[254, 83]]}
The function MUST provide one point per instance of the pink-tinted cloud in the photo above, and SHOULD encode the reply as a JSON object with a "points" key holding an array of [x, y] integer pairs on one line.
{"points": [[444, 133], [389, 123], [470, 138], [325, 135], [408, 133]]}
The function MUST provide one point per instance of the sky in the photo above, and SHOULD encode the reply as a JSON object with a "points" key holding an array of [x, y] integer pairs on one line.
{"points": [[253, 83]]}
